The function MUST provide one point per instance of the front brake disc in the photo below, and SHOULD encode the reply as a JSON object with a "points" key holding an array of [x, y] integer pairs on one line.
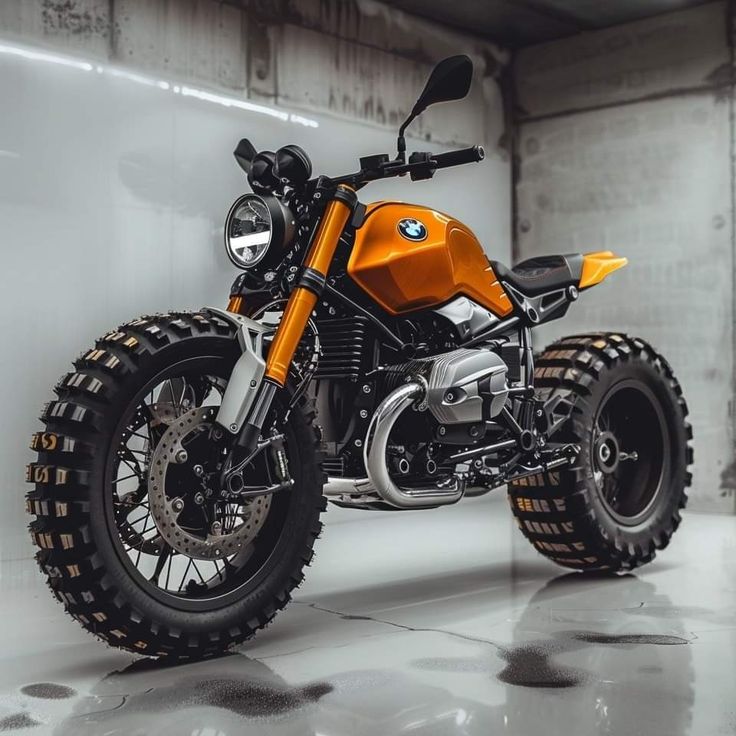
{"points": [[166, 510]]}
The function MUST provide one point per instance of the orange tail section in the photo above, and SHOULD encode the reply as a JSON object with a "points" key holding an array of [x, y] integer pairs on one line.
{"points": [[598, 265]]}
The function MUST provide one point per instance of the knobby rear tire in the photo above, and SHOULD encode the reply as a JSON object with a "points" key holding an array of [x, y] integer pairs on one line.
{"points": [[560, 512], [76, 552]]}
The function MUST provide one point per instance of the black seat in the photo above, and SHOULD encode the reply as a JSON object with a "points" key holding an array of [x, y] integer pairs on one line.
{"points": [[541, 274]]}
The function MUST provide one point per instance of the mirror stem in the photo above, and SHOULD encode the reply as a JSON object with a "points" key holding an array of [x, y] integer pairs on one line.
{"points": [[401, 142], [401, 148]]}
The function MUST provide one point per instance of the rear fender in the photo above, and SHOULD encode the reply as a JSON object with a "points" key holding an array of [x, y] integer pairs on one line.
{"points": [[598, 265]]}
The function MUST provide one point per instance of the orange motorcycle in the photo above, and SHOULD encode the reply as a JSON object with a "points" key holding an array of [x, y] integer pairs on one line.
{"points": [[182, 471]]}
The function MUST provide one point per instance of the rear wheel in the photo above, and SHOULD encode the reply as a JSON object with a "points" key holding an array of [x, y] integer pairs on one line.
{"points": [[620, 402], [171, 568]]}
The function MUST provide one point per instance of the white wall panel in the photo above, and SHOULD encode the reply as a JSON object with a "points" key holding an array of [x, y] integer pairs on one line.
{"points": [[193, 40], [112, 197], [361, 59]]}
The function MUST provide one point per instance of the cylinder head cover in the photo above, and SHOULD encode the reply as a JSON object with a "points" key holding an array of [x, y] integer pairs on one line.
{"points": [[461, 382]]}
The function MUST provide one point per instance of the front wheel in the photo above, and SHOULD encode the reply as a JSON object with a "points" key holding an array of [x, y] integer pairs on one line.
{"points": [[136, 537], [618, 400]]}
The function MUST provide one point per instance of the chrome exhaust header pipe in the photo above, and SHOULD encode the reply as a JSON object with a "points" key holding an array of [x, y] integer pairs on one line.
{"points": [[374, 455]]}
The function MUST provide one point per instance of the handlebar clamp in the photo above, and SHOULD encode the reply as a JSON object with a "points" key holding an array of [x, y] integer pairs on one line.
{"points": [[422, 165]]}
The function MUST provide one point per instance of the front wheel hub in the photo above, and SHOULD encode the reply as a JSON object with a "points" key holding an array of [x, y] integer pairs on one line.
{"points": [[175, 485]]}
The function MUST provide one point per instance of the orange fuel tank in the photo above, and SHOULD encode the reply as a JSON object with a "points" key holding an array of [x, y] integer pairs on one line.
{"points": [[409, 257]]}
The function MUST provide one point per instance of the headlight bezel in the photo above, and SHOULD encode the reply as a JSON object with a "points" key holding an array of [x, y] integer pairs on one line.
{"points": [[282, 229]]}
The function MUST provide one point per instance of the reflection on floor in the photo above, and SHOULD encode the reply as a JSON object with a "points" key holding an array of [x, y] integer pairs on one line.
{"points": [[439, 622]]}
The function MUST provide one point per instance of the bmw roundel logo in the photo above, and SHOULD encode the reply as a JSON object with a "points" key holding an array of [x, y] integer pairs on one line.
{"points": [[412, 229]]}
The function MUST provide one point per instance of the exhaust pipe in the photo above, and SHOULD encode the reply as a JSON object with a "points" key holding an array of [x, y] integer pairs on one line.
{"points": [[374, 455]]}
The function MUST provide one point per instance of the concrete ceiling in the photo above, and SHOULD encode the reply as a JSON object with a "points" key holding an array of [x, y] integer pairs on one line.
{"points": [[523, 22]]}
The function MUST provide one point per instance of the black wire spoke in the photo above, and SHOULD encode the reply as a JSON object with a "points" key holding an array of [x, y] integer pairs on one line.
{"points": [[166, 395], [168, 570], [137, 452], [173, 401], [160, 562], [133, 452], [228, 565], [199, 574], [126, 477], [135, 468], [143, 437], [140, 548], [184, 575], [126, 504], [232, 516], [154, 432], [139, 519], [137, 472], [172, 571], [179, 395]]}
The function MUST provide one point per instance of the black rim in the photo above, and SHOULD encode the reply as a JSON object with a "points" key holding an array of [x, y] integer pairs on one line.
{"points": [[629, 452], [166, 574]]}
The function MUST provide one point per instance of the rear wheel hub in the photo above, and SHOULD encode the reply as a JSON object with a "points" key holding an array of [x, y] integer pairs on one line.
{"points": [[607, 452]]}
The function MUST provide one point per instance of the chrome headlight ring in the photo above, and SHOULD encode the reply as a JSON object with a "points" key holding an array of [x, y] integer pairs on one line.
{"points": [[258, 228]]}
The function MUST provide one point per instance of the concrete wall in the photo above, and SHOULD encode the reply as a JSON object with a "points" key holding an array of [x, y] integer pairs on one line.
{"points": [[358, 59], [117, 126], [625, 142]]}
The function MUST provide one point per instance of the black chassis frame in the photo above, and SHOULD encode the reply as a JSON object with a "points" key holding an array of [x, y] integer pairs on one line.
{"points": [[526, 422]]}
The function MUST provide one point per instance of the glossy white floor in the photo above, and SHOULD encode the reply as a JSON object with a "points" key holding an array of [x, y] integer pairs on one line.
{"points": [[440, 622]]}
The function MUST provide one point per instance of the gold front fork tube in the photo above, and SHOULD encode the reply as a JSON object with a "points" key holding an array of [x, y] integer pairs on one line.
{"points": [[235, 305], [303, 300]]}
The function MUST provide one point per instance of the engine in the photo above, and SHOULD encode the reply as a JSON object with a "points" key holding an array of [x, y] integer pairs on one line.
{"points": [[396, 417], [460, 387]]}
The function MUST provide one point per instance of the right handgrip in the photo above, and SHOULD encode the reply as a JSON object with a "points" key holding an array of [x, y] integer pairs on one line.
{"points": [[461, 156]]}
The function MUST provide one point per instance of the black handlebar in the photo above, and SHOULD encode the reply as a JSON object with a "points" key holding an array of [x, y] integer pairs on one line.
{"points": [[421, 165], [459, 157]]}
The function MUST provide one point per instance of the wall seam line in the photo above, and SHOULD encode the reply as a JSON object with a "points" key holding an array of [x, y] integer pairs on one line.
{"points": [[731, 26], [507, 86], [710, 89]]}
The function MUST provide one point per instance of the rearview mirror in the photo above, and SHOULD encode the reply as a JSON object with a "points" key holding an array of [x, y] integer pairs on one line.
{"points": [[244, 154], [449, 80]]}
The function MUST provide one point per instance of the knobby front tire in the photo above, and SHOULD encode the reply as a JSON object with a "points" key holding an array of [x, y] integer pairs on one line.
{"points": [[78, 552]]}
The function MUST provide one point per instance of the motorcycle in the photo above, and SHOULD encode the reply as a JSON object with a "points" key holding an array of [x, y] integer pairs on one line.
{"points": [[181, 473]]}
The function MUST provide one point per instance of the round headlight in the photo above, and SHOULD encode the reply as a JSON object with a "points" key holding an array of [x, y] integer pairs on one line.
{"points": [[257, 229]]}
